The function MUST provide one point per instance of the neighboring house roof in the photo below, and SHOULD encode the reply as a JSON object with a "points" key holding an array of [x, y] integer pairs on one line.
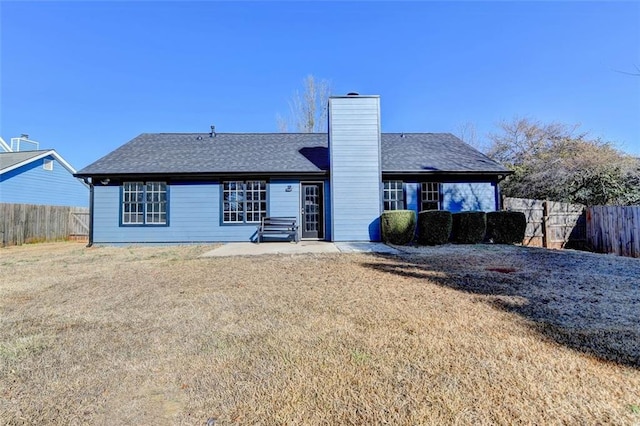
{"points": [[197, 153], [13, 160], [4, 146]]}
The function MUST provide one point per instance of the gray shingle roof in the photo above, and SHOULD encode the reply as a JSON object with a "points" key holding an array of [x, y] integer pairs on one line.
{"points": [[187, 153], [9, 159], [433, 152]]}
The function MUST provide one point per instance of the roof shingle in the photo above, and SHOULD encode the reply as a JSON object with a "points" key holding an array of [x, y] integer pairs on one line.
{"points": [[192, 153], [10, 159]]}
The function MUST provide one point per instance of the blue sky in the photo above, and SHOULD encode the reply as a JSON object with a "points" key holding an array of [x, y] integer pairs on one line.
{"points": [[86, 77]]}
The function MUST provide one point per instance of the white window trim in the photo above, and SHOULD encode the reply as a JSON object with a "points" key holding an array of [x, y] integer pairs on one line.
{"points": [[393, 194], [149, 207], [243, 201], [424, 191]]}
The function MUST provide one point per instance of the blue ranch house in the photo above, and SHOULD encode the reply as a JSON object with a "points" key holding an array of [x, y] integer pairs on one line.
{"points": [[216, 187]]}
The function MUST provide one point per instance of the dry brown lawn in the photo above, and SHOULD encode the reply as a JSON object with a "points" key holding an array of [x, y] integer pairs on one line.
{"points": [[449, 335]]}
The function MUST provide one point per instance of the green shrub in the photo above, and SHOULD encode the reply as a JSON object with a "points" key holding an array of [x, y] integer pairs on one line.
{"points": [[468, 227], [506, 227], [398, 226], [434, 227]]}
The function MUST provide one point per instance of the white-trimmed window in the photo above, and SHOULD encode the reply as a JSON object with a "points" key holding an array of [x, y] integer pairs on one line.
{"points": [[393, 195], [144, 203], [430, 196], [47, 164], [244, 201]]}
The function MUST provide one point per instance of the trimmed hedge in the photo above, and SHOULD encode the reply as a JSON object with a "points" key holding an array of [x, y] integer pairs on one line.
{"points": [[434, 227], [506, 227], [468, 227], [398, 226]]}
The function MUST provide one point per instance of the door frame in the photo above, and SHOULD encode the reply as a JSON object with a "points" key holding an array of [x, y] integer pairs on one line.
{"points": [[323, 209]]}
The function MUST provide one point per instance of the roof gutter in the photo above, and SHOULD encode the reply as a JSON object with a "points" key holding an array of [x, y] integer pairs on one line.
{"points": [[90, 184], [447, 172], [199, 175]]}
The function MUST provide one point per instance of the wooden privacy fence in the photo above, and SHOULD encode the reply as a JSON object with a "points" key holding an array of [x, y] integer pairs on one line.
{"points": [[28, 223], [551, 224], [614, 229]]}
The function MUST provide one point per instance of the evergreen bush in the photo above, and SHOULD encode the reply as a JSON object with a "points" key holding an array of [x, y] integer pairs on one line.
{"points": [[506, 227], [468, 227], [434, 227], [398, 226]]}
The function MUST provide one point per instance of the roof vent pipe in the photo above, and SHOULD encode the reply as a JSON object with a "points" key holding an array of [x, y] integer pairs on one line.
{"points": [[213, 132], [353, 94]]}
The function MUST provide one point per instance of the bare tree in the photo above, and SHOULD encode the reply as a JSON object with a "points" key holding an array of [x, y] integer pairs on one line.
{"points": [[468, 134], [522, 139], [554, 161], [307, 109], [636, 73]]}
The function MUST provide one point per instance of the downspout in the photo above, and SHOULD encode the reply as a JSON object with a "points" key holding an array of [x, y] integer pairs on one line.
{"points": [[88, 182]]}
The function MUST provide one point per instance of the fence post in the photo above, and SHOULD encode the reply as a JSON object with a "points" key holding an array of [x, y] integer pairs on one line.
{"points": [[545, 228]]}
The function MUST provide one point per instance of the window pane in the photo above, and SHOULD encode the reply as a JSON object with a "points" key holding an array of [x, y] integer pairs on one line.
{"points": [[244, 201], [144, 203], [156, 194], [132, 207], [393, 195], [256, 196], [430, 196], [233, 195]]}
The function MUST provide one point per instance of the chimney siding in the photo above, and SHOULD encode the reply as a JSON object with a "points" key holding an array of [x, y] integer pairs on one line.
{"points": [[356, 178]]}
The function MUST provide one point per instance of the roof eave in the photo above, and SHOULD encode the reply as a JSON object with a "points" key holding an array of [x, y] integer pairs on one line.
{"points": [[285, 173], [201, 174], [448, 172], [43, 154]]}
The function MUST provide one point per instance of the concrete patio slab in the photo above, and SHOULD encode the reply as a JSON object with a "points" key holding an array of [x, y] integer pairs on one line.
{"points": [[253, 249]]}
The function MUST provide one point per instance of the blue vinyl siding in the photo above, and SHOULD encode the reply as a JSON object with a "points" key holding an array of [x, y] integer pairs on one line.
{"points": [[283, 203], [354, 148], [457, 197], [412, 196], [32, 184], [327, 211], [195, 212]]}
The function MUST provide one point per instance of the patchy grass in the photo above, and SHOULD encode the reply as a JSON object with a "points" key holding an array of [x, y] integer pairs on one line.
{"points": [[157, 335]]}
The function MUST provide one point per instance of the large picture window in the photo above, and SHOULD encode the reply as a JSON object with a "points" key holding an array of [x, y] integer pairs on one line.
{"points": [[244, 201], [144, 203], [430, 196], [393, 195]]}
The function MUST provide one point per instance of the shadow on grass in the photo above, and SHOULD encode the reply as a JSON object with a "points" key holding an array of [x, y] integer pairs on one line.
{"points": [[569, 313]]}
